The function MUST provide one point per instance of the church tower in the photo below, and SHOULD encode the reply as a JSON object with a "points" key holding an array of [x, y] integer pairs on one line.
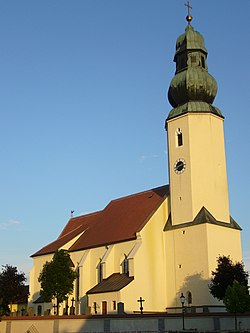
{"points": [[199, 227], [197, 163]]}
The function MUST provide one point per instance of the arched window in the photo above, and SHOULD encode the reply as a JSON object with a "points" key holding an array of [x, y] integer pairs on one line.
{"points": [[193, 59], [125, 265], [95, 307], [100, 271], [39, 310], [179, 137], [77, 283], [203, 62]]}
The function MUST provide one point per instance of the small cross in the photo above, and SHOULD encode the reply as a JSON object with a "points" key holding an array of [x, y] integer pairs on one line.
{"points": [[188, 6], [189, 17], [140, 300]]}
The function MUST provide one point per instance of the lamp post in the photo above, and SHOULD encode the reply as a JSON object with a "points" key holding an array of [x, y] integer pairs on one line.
{"points": [[182, 299]]}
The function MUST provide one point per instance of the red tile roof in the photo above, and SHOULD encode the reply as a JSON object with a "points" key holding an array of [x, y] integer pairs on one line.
{"points": [[120, 220]]}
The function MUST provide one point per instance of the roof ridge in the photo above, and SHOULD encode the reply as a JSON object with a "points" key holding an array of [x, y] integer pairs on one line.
{"points": [[138, 193], [88, 214]]}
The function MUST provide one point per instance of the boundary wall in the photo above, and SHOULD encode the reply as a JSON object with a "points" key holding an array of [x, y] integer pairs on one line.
{"points": [[126, 323]]}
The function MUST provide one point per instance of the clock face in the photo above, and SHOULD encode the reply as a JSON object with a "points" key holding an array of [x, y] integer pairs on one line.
{"points": [[180, 165]]}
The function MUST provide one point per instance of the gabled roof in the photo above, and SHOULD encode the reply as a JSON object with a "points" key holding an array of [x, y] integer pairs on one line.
{"points": [[114, 282], [119, 221], [39, 300]]}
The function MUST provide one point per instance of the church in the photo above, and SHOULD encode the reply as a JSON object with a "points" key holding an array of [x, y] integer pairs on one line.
{"points": [[163, 242]]}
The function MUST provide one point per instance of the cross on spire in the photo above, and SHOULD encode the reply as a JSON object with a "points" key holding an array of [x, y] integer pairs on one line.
{"points": [[189, 16], [188, 6]]}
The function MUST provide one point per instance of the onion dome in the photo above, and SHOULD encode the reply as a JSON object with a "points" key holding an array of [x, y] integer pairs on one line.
{"points": [[192, 89]]}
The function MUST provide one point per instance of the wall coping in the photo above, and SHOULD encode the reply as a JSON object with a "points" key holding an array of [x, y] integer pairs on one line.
{"points": [[124, 316]]}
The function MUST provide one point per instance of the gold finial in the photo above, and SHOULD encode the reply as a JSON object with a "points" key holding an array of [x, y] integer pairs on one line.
{"points": [[189, 16]]}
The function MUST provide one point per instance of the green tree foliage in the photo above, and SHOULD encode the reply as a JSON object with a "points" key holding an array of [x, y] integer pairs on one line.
{"points": [[4, 308], [57, 277], [10, 282], [224, 276], [237, 299]]}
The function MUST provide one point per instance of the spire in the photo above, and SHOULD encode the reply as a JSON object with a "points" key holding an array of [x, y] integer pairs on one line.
{"points": [[192, 89], [189, 16]]}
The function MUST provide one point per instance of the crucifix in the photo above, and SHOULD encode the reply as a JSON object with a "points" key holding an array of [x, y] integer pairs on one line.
{"points": [[72, 308], [140, 300], [189, 17]]}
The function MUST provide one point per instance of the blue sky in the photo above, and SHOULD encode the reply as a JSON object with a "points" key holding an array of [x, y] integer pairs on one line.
{"points": [[83, 88]]}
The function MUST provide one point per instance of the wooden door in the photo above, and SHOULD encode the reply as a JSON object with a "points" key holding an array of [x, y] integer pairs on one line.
{"points": [[104, 307]]}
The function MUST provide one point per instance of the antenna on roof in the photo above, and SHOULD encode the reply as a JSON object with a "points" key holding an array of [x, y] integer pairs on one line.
{"points": [[72, 213]]}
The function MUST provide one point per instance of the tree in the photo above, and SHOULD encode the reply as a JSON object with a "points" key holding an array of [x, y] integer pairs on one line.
{"points": [[57, 277], [237, 299], [224, 276], [10, 282]]}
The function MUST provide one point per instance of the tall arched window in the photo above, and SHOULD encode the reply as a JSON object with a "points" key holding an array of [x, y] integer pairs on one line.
{"points": [[125, 265], [77, 284], [179, 137], [100, 271]]}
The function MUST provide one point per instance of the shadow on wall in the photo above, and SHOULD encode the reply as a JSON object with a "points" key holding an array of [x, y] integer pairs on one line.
{"points": [[196, 291], [37, 307], [33, 307], [84, 309]]}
